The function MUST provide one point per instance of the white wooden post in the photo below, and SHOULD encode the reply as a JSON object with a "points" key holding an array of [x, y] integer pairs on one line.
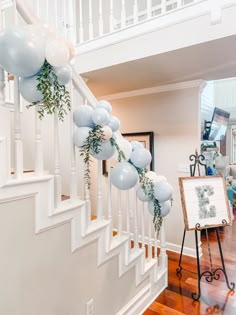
{"points": [[36, 7], [143, 225], [123, 14], [127, 212], [119, 230], [90, 20], [163, 6], [150, 238], [163, 256], [73, 177], [136, 223], [38, 144], [100, 21], [81, 29], [88, 205], [111, 16], [2, 86], [149, 8], [99, 193], [135, 11], [109, 195], [57, 170]]}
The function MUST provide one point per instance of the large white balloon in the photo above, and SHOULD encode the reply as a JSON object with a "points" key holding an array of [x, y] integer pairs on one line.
{"points": [[141, 157], [100, 116], [106, 151], [152, 176], [83, 116], [28, 89], [162, 191], [22, 53], [107, 133], [114, 123], [57, 53], [141, 195], [124, 176], [64, 74], [165, 208], [80, 135], [105, 105], [125, 147]]}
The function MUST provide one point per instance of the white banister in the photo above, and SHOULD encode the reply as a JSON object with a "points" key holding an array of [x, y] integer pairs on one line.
{"points": [[90, 20], [81, 29], [135, 9], [38, 144], [163, 256], [111, 19], [149, 9], [136, 222], [73, 177], [18, 156], [100, 21], [123, 14], [119, 230], [57, 170], [99, 192], [150, 225]]}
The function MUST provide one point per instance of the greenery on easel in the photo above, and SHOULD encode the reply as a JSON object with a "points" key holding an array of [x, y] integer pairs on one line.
{"points": [[56, 99]]}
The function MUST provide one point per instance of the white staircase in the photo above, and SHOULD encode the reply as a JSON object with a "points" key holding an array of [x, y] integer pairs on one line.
{"points": [[150, 275]]}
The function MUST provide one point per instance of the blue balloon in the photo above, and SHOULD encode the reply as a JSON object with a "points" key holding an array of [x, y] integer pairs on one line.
{"points": [[28, 89], [100, 116], [136, 145], [83, 116], [64, 74], [162, 191], [165, 208], [114, 123], [80, 135], [105, 105], [141, 195], [141, 157], [22, 53], [106, 152], [124, 176]]}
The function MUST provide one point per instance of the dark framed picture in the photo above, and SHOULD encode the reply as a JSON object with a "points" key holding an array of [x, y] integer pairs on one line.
{"points": [[146, 138]]}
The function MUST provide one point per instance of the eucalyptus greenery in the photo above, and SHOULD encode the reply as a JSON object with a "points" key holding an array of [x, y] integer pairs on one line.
{"points": [[121, 155], [56, 99]]}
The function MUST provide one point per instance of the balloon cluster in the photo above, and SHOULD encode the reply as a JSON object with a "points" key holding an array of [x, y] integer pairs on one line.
{"points": [[41, 60]]}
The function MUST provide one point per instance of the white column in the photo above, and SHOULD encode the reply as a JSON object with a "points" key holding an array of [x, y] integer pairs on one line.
{"points": [[18, 159], [163, 256], [123, 14], [143, 225], [119, 213], [111, 16], [81, 29], [57, 170], [150, 238], [99, 192], [73, 177], [109, 197], [88, 204], [149, 9], [135, 11], [38, 144], [90, 20], [136, 223], [163, 6], [100, 21]]}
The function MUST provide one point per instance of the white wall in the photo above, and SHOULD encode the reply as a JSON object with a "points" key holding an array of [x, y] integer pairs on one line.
{"points": [[39, 274], [175, 119]]}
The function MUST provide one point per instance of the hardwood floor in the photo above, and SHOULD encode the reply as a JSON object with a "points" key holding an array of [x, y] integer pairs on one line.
{"points": [[215, 296]]}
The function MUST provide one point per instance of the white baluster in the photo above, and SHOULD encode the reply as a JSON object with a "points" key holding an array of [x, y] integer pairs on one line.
{"points": [[136, 223], [81, 29], [155, 248], [57, 170], [119, 213], [47, 10], [36, 7], [149, 8], [2, 86], [99, 196], [127, 212], [38, 144], [150, 237], [100, 25], [179, 3], [90, 20], [88, 205], [163, 256], [123, 14], [17, 131], [109, 194], [71, 21], [163, 6], [143, 225], [135, 11], [111, 16], [73, 177], [56, 13], [15, 13]]}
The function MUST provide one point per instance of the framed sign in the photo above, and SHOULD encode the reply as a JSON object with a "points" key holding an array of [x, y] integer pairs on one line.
{"points": [[204, 202]]}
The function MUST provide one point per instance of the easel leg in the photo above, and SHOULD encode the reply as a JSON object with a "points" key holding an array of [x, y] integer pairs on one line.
{"points": [[230, 285], [196, 296], [179, 269]]}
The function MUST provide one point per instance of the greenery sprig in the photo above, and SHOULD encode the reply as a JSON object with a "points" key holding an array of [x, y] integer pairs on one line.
{"points": [[121, 155], [55, 96]]}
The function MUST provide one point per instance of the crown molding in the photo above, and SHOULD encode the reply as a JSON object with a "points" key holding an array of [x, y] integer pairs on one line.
{"points": [[154, 90]]}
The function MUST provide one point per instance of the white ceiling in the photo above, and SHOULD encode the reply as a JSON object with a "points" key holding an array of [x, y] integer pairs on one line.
{"points": [[209, 61]]}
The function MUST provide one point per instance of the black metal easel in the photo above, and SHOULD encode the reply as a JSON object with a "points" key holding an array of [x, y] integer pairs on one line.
{"points": [[212, 274]]}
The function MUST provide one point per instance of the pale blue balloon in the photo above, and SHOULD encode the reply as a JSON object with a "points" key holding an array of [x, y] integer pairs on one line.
{"points": [[141, 157], [106, 152], [22, 53], [114, 123], [64, 74], [80, 135], [124, 176], [106, 105], [162, 191], [83, 116], [136, 145], [28, 89], [100, 116], [165, 208], [141, 195]]}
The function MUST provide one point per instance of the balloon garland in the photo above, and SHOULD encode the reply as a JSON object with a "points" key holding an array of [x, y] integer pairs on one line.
{"points": [[98, 135]]}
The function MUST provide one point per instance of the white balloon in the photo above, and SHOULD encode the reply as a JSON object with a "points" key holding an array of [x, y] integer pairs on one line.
{"points": [[165, 208], [80, 135], [152, 175], [124, 176], [107, 133], [125, 147], [100, 116], [141, 195], [106, 151], [141, 157], [57, 53], [162, 191], [105, 105], [83, 116]]}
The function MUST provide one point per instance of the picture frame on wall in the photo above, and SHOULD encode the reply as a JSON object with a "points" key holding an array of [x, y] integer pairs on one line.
{"points": [[204, 202], [146, 138]]}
